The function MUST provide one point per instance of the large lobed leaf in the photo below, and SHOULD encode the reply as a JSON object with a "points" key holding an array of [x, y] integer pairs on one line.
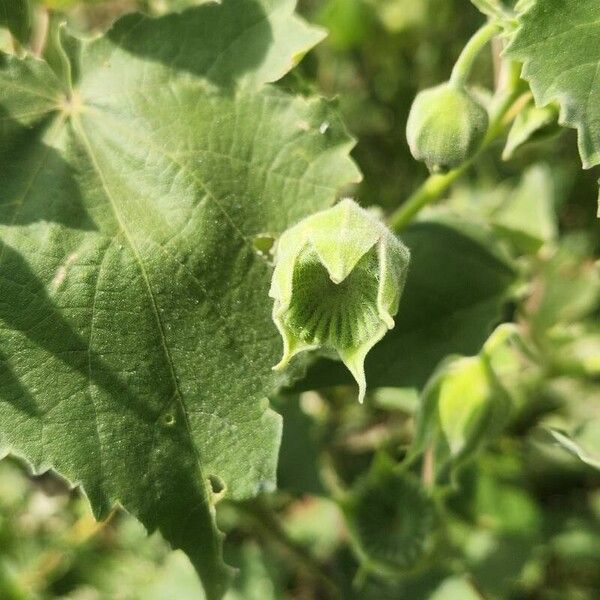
{"points": [[136, 341], [558, 43]]}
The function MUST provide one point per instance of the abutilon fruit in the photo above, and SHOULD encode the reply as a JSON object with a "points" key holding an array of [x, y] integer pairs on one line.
{"points": [[338, 278]]}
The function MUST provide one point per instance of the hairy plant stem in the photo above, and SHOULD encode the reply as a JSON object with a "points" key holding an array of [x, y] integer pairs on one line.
{"points": [[464, 65], [269, 526], [428, 469], [437, 183]]}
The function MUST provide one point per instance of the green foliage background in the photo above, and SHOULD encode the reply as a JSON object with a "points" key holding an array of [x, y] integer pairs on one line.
{"points": [[515, 515]]}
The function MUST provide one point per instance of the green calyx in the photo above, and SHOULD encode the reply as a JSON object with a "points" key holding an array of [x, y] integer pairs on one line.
{"points": [[338, 278], [445, 126]]}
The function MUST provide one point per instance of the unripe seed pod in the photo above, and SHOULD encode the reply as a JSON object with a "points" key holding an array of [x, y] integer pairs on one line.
{"points": [[445, 126], [391, 519], [338, 278]]}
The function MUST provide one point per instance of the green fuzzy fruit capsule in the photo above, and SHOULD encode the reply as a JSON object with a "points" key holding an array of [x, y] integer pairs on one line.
{"points": [[391, 519], [338, 278], [445, 126]]}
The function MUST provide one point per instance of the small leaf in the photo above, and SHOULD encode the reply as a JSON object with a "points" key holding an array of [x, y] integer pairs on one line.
{"points": [[583, 442], [490, 8], [532, 124], [405, 400], [558, 43], [55, 52], [464, 396], [527, 217]]}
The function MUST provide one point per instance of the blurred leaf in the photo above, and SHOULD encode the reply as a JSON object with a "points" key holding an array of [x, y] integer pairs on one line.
{"points": [[399, 15], [6, 43], [17, 17], [500, 351], [317, 524], [176, 579], [404, 400], [497, 562], [575, 348], [532, 124], [418, 584], [456, 588], [583, 442], [54, 51], [298, 466], [505, 507], [255, 581], [67, 4], [527, 216], [567, 288], [578, 542], [464, 396], [348, 22], [504, 522]]}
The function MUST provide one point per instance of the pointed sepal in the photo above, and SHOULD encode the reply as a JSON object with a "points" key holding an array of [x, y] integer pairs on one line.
{"points": [[338, 278]]}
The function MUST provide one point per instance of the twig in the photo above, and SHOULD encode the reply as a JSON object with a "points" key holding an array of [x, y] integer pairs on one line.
{"points": [[428, 469], [269, 526], [37, 43]]}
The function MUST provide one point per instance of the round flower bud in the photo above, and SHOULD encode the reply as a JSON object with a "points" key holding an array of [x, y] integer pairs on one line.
{"points": [[445, 126], [338, 278]]}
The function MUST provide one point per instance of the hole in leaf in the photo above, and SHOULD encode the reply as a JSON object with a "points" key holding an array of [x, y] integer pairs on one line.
{"points": [[168, 419], [263, 244], [217, 485]]}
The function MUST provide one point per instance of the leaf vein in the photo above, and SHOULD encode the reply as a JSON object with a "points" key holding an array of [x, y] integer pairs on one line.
{"points": [[148, 285]]}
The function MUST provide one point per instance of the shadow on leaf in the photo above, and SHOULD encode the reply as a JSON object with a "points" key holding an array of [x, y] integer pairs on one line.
{"points": [[26, 309], [36, 183], [220, 42]]}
